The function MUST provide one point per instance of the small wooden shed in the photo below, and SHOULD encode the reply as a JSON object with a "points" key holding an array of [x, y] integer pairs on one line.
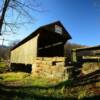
{"points": [[46, 41]]}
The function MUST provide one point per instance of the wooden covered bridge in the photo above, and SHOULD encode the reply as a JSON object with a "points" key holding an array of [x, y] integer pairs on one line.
{"points": [[46, 41]]}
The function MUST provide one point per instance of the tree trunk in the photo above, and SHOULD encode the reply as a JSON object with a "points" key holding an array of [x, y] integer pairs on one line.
{"points": [[6, 4]]}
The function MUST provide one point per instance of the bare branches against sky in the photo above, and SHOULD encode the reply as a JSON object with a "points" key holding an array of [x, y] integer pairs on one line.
{"points": [[14, 13]]}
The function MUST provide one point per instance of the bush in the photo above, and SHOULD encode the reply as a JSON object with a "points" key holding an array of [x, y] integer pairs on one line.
{"points": [[3, 67]]}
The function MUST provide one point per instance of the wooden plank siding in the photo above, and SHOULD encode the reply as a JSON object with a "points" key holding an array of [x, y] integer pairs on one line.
{"points": [[26, 52]]}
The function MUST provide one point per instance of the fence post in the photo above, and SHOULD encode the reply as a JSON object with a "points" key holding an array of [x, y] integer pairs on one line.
{"points": [[74, 55]]}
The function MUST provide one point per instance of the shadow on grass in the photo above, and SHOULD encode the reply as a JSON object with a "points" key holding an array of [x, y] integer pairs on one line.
{"points": [[67, 83], [23, 92], [10, 94], [91, 98]]}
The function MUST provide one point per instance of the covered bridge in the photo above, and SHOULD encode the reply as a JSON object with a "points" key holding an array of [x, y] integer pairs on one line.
{"points": [[46, 41]]}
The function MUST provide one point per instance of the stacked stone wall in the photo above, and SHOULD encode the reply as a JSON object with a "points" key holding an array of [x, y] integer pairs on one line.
{"points": [[50, 67]]}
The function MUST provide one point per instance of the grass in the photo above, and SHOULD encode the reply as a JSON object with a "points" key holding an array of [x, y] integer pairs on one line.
{"points": [[11, 76], [21, 84], [2, 64], [24, 86], [25, 79], [3, 67]]}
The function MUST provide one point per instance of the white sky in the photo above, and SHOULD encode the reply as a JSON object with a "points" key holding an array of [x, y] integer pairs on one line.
{"points": [[4, 42], [9, 39]]}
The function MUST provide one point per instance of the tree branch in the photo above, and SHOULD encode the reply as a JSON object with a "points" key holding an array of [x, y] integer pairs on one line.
{"points": [[6, 3]]}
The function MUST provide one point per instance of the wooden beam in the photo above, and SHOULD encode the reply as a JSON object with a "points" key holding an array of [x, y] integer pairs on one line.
{"points": [[74, 56], [87, 48], [58, 43], [51, 45], [74, 51], [48, 46]]}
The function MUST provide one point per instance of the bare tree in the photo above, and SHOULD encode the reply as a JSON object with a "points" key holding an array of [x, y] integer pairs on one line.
{"points": [[15, 13]]}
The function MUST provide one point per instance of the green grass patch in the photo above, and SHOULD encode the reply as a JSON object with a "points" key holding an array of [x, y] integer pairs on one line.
{"points": [[3, 67], [24, 86], [25, 79], [12, 76], [30, 86], [36, 81], [2, 64]]}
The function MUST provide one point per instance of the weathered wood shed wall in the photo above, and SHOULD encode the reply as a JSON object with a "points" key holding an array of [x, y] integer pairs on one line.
{"points": [[26, 52]]}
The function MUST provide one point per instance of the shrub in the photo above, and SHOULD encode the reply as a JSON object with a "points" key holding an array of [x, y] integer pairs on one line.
{"points": [[3, 67]]}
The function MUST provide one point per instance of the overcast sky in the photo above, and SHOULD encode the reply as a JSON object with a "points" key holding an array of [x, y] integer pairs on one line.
{"points": [[81, 18]]}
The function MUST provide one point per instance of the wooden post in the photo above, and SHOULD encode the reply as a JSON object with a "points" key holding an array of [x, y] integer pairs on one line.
{"points": [[74, 55]]}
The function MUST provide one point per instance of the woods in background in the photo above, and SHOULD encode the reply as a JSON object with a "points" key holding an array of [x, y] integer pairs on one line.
{"points": [[4, 52]]}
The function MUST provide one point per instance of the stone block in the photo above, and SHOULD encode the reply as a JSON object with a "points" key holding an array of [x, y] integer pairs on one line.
{"points": [[90, 67], [60, 59], [60, 64], [39, 58], [44, 67], [97, 84]]}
